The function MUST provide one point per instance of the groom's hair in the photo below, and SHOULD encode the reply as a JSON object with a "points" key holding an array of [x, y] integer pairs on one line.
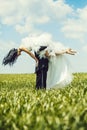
{"points": [[42, 48], [11, 57]]}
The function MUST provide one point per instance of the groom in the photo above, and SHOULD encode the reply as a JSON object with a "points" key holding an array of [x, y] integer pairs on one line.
{"points": [[41, 69]]}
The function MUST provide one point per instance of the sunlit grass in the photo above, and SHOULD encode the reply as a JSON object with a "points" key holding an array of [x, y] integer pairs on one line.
{"points": [[24, 108]]}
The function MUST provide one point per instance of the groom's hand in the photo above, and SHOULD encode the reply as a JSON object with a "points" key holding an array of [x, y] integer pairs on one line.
{"points": [[37, 63]]}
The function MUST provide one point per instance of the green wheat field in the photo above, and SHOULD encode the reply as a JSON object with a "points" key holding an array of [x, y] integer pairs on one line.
{"points": [[22, 107]]}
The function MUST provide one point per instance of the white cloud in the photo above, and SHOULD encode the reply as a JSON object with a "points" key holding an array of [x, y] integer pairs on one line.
{"points": [[7, 7], [42, 19], [60, 10], [29, 24], [26, 15], [85, 48], [24, 29], [76, 27], [83, 13], [18, 11]]}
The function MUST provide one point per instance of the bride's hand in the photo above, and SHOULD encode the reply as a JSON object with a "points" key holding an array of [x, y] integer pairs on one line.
{"points": [[70, 51]]}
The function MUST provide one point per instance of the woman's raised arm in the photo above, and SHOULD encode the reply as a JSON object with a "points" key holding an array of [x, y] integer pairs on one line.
{"points": [[28, 52], [67, 51]]}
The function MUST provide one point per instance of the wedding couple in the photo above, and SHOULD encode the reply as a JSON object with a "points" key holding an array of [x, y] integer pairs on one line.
{"points": [[52, 67]]}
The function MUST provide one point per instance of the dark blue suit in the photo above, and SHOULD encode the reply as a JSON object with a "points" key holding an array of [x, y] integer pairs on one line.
{"points": [[41, 70]]}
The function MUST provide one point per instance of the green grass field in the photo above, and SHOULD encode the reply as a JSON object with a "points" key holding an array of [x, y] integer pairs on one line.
{"points": [[24, 108]]}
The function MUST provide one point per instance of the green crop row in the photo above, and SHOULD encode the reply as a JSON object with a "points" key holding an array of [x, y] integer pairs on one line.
{"points": [[22, 107]]}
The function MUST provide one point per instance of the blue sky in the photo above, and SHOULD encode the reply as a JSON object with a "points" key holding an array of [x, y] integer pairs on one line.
{"points": [[77, 3], [64, 20]]}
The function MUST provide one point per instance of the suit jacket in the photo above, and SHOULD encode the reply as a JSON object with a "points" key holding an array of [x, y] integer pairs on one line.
{"points": [[43, 62]]}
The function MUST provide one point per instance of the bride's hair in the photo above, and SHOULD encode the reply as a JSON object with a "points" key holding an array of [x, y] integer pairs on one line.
{"points": [[11, 57]]}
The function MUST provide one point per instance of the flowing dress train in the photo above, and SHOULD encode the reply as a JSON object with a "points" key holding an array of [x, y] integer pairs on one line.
{"points": [[59, 73]]}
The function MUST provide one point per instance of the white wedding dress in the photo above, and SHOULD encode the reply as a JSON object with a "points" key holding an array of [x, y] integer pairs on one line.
{"points": [[59, 71]]}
